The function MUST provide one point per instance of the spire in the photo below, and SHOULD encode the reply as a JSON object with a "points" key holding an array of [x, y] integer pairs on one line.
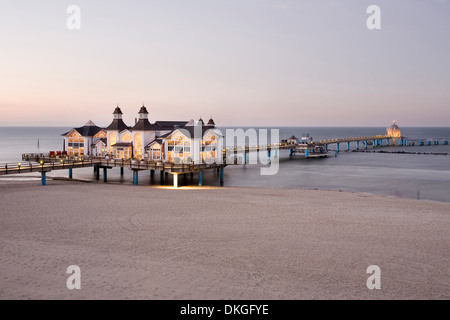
{"points": [[143, 113], [211, 122], [90, 124], [117, 113]]}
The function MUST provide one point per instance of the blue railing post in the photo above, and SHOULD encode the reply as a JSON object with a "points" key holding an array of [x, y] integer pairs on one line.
{"points": [[43, 178], [135, 177], [221, 176], [70, 173], [200, 178]]}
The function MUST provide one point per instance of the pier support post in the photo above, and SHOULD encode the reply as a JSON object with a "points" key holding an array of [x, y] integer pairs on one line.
{"points": [[161, 176], [44, 178], [245, 158], [428, 142], [135, 177], [221, 176], [357, 145], [97, 173], [348, 146], [337, 147], [192, 175], [326, 147], [200, 178], [152, 173], [436, 142], [374, 143], [70, 174], [105, 175], [268, 153], [121, 171], [365, 144], [175, 180], [290, 152], [306, 153], [166, 175]]}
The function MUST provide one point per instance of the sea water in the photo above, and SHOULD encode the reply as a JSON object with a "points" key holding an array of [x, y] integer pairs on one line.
{"points": [[423, 176]]}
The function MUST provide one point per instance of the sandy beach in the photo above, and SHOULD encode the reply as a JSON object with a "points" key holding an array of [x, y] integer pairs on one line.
{"points": [[218, 243]]}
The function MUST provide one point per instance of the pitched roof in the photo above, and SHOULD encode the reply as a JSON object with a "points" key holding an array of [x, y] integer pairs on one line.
{"points": [[143, 125], [169, 125], [158, 140], [122, 144], [102, 140], [117, 124], [86, 130], [191, 130]]}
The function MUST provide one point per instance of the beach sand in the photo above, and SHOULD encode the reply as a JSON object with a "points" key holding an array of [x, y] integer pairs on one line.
{"points": [[218, 243]]}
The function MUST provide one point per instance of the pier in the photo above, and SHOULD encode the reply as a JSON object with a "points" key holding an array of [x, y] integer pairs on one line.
{"points": [[44, 163]]}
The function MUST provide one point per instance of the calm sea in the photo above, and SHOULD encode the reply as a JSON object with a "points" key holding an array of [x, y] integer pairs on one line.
{"points": [[421, 176]]}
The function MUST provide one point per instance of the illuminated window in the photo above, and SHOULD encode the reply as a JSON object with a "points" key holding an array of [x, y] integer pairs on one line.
{"points": [[138, 145], [209, 147], [75, 144], [179, 147], [127, 137]]}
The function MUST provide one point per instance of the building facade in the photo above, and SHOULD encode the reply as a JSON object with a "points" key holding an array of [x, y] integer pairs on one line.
{"points": [[173, 141]]}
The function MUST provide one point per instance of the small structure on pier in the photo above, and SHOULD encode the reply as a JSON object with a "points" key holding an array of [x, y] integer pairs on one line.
{"points": [[393, 131], [292, 140]]}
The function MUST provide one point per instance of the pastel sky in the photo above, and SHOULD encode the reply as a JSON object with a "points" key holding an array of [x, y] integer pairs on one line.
{"points": [[243, 62]]}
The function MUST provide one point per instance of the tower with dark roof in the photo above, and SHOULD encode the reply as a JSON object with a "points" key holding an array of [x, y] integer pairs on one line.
{"points": [[143, 124], [211, 123], [115, 128], [117, 124]]}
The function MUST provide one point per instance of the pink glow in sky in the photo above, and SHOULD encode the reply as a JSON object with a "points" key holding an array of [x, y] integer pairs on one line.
{"points": [[244, 62]]}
